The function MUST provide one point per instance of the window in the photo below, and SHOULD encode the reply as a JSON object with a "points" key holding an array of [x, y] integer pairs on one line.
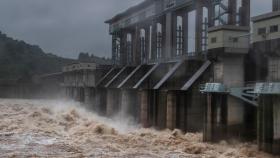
{"points": [[129, 48], [214, 40], [273, 28], [262, 31], [159, 41], [179, 36], [233, 39]]}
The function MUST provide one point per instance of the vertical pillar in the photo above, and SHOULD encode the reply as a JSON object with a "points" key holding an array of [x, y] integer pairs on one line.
{"points": [[181, 104], [68, 92], [148, 40], [154, 40], [233, 72], [207, 136], [111, 102], [268, 124], [123, 48], [245, 13], [260, 124], [276, 5], [114, 37], [171, 110], [136, 46], [211, 13], [232, 12], [174, 34], [198, 31], [75, 93], [161, 103], [144, 116], [276, 125], [125, 102], [87, 93], [168, 35], [100, 101], [185, 32]]}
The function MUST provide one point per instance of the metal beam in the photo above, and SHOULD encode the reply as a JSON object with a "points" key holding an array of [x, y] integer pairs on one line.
{"points": [[103, 78], [245, 94], [115, 77], [129, 76], [146, 76], [169, 74], [190, 82]]}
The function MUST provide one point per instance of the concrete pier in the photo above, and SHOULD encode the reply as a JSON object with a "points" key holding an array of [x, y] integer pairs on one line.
{"points": [[144, 111], [100, 101], [171, 112], [268, 124], [113, 102], [88, 96], [129, 106]]}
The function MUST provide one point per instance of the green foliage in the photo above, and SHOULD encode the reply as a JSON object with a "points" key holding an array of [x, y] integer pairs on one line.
{"points": [[86, 57], [18, 59]]}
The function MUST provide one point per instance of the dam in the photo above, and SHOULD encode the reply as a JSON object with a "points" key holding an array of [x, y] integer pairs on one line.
{"points": [[223, 79]]}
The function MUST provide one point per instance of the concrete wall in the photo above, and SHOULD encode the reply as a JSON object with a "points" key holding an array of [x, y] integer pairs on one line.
{"points": [[266, 24], [273, 69], [224, 38], [268, 124], [230, 72]]}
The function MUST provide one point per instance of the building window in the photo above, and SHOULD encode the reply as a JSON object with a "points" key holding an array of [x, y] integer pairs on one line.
{"points": [[179, 36], [159, 41], [143, 45], [214, 40], [233, 39], [129, 48], [262, 31], [273, 28]]}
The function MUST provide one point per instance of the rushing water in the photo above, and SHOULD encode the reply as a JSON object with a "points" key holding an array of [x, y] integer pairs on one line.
{"points": [[42, 128]]}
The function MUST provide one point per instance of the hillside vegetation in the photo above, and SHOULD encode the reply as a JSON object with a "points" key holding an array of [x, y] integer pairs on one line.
{"points": [[18, 59]]}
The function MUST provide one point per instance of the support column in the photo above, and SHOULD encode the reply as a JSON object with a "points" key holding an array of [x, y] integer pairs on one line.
{"points": [[207, 136], [276, 124], [125, 106], [171, 110], [185, 32], [276, 5], [168, 35], [245, 13], [232, 12], [111, 102], [75, 93], [87, 96], [66, 91], [100, 101], [198, 31], [233, 71], [161, 103], [144, 112], [129, 106]]}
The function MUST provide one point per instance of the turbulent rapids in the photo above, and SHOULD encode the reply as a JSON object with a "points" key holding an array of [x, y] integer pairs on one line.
{"points": [[40, 128]]}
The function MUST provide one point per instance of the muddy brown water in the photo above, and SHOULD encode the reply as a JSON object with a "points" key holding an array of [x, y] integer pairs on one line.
{"points": [[45, 128]]}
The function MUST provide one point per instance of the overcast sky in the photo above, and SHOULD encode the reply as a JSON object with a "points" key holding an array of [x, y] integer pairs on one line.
{"points": [[67, 27]]}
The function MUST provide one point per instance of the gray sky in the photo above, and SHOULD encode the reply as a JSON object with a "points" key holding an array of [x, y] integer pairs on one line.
{"points": [[67, 27]]}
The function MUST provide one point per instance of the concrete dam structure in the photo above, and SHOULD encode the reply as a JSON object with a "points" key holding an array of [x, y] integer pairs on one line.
{"points": [[193, 65]]}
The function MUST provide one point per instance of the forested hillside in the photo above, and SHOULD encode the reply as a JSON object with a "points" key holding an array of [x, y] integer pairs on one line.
{"points": [[18, 59]]}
